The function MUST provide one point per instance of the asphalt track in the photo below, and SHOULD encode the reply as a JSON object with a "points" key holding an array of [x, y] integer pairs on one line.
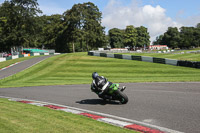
{"points": [[171, 105], [21, 66]]}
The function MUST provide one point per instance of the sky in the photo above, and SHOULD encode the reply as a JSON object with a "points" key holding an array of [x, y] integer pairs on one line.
{"points": [[156, 15]]}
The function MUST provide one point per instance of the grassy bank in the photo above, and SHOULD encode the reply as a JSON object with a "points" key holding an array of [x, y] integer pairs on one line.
{"points": [[23, 118], [77, 69]]}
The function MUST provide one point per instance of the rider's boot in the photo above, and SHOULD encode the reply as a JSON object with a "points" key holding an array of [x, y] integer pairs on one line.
{"points": [[123, 88]]}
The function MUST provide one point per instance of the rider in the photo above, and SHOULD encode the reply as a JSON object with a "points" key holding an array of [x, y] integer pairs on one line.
{"points": [[99, 85]]}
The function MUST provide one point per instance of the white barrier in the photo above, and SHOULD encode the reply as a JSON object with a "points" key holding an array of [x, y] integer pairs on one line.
{"points": [[46, 53], [127, 57], [15, 56], [2, 59], [25, 55], [111, 55], [171, 62], [147, 59], [96, 54], [36, 54]]}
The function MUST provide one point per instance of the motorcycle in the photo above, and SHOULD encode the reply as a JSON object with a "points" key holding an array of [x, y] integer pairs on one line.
{"points": [[115, 93]]}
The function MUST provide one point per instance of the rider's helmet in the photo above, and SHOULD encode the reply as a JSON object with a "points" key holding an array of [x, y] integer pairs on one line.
{"points": [[95, 75]]}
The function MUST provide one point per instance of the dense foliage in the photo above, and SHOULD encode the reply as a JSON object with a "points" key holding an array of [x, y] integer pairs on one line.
{"points": [[18, 24], [77, 29], [185, 37], [130, 37]]}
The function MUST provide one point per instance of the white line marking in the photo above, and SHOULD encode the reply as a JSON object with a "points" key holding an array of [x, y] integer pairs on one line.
{"points": [[37, 104], [115, 122], [71, 111]]}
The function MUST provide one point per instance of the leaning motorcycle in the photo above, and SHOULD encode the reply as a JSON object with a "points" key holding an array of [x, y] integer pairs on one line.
{"points": [[116, 93]]}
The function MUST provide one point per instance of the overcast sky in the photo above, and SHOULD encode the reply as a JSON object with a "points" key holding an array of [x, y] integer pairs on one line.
{"points": [[156, 15]]}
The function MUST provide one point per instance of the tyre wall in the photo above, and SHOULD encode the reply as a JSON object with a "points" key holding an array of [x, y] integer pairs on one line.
{"points": [[193, 64]]}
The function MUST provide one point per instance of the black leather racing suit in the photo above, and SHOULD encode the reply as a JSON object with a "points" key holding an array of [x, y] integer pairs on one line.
{"points": [[100, 85]]}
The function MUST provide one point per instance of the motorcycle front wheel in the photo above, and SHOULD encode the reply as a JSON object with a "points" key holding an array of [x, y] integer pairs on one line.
{"points": [[122, 97]]}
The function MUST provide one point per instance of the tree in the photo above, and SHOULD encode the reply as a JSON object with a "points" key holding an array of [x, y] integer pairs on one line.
{"points": [[3, 22], [198, 26], [130, 36], [19, 29], [116, 38], [51, 27], [197, 37], [187, 37], [171, 38], [84, 27], [143, 38], [158, 40]]}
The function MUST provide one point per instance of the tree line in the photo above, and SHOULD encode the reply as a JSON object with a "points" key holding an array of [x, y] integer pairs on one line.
{"points": [[183, 38], [78, 29], [130, 37]]}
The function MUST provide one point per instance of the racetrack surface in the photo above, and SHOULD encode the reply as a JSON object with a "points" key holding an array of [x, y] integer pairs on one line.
{"points": [[21, 66], [171, 105]]}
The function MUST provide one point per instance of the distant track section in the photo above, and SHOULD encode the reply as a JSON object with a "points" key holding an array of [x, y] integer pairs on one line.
{"points": [[13, 69]]}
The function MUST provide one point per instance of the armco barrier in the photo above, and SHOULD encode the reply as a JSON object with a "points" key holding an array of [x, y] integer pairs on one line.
{"points": [[26, 55], [192, 64]]}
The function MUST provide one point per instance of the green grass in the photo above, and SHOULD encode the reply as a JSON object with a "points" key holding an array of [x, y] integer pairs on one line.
{"points": [[23, 118], [185, 56], [77, 69], [9, 62]]}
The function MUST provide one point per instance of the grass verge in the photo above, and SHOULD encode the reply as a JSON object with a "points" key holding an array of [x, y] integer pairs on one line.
{"points": [[77, 69], [23, 118]]}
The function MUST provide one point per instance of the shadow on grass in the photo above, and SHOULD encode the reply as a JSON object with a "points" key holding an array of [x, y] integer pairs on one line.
{"points": [[97, 102]]}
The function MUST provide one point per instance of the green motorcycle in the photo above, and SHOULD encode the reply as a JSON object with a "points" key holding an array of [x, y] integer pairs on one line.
{"points": [[113, 92]]}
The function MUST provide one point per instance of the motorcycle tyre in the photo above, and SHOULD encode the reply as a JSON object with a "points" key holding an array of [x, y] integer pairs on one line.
{"points": [[122, 97]]}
